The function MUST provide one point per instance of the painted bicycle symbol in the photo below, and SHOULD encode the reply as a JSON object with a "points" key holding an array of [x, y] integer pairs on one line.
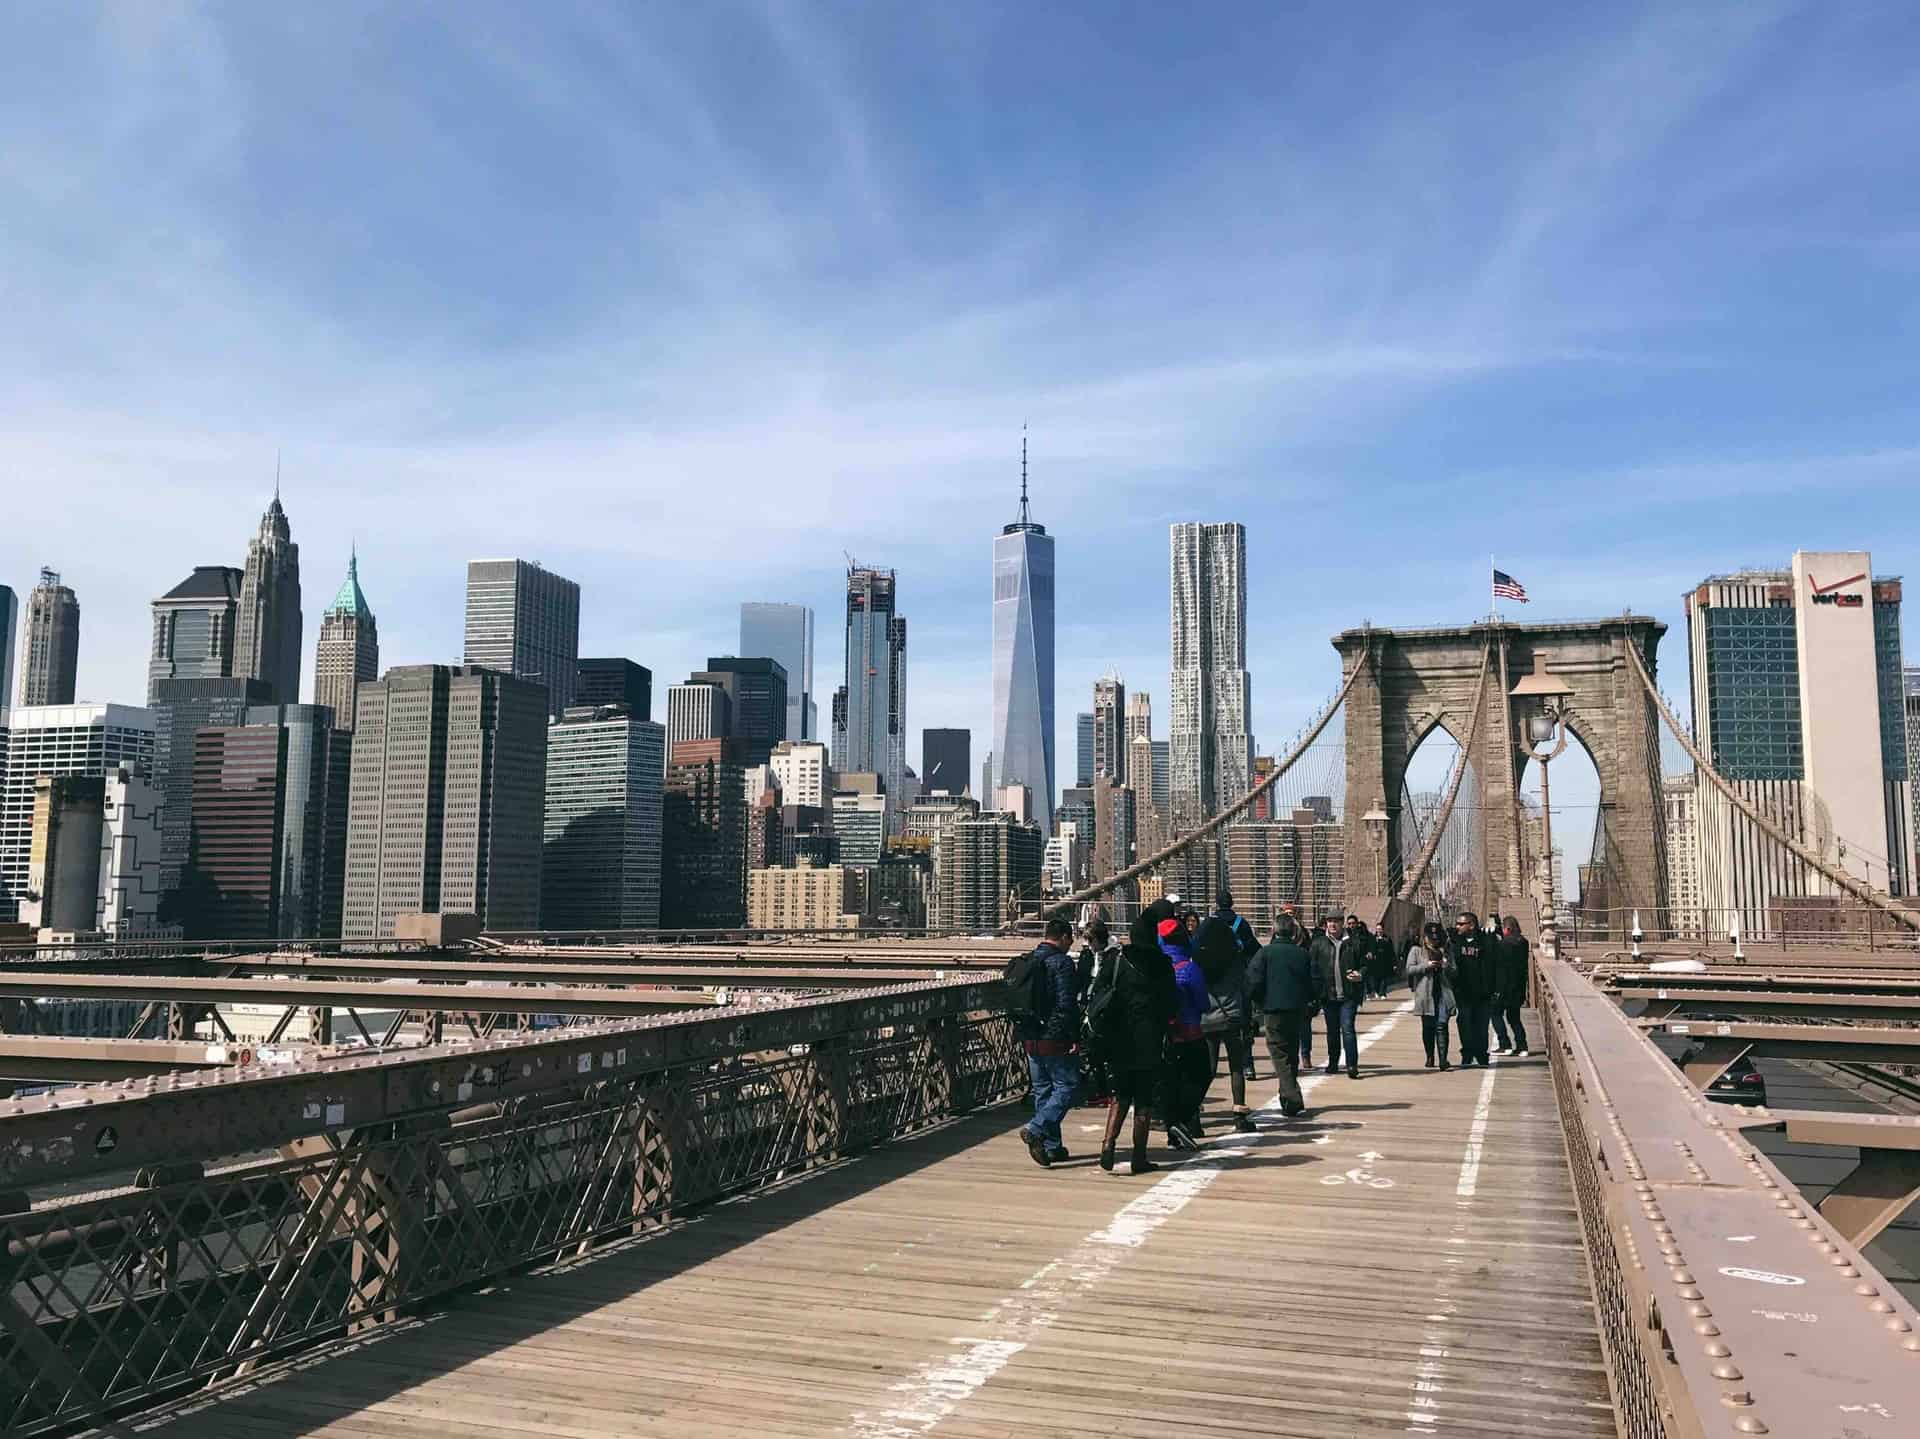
{"points": [[1362, 1175]]}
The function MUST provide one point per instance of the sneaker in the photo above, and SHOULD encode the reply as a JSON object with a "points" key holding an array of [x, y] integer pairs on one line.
{"points": [[1179, 1138], [1243, 1124], [1503, 1049], [1293, 1111], [1521, 1053], [1444, 1066], [1056, 1155], [1144, 1166], [1331, 1069], [1037, 1147], [1354, 1073]]}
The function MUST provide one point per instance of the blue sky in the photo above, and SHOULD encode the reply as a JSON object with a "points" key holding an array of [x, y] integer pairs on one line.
{"points": [[687, 301]]}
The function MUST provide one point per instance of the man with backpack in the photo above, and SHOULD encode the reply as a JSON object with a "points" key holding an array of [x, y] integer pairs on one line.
{"points": [[1282, 985], [1043, 999], [1128, 1023], [1222, 948]]}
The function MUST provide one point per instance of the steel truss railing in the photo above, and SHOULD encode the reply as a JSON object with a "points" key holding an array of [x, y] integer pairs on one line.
{"points": [[405, 1178], [1725, 1303]]}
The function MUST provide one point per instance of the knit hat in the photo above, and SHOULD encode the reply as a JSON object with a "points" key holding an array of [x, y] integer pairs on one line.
{"points": [[1169, 928]]}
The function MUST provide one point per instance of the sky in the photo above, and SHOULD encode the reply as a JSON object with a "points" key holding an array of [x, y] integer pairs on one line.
{"points": [[690, 303]]}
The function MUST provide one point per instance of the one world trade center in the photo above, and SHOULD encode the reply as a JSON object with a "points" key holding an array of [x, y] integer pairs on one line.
{"points": [[1023, 658]]}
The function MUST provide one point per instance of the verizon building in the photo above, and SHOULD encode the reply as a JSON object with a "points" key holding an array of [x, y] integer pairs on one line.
{"points": [[1797, 699]]}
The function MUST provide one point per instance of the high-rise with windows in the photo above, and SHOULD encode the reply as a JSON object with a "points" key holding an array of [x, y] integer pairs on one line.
{"points": [[803, 773], [50, 651], [870, 710], [614, 681], [697, 710], [1083, 748], [348, 653], [266, 644], [756, 689], [1023, 716], [446, 802], [75, 739], [1110, 734], [1798, 701], [193, 625], [785, 633], [704, 840], [1210, 747], [601, 864], [1683, 856], [524, 621], [1139, 716]]}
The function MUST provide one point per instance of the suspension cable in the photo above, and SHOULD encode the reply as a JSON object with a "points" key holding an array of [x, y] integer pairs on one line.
{"points": [[1234, 810], [1410, 881], [1865, 893]]}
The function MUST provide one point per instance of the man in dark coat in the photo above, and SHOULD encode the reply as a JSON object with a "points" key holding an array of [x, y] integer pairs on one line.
{"points": [[1222, 947], [1475, 983], [1051, 1038], [1511, 996], [1281, 984], [1134, 1037]]}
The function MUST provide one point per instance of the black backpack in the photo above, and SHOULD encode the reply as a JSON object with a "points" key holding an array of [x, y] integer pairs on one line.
{"points": [[1029, 996], [1105, 1013]]}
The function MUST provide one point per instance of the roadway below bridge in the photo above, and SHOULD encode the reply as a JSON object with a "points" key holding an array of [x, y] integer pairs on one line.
{"points": [[1407, 1259]]}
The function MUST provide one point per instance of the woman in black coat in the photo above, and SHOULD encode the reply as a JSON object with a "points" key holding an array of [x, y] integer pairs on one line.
{"points": [[1134, 1034]]}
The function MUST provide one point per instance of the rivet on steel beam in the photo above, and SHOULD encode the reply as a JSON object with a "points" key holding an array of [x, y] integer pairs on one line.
{"points": [[1847, 1271], [1726, 1369], [1680, 1276], [1738, 1399], [1750, 1424], [1880, 1306], [1899, 1326], [1699, 1311], [1865, 1289], [1717, 1350]]}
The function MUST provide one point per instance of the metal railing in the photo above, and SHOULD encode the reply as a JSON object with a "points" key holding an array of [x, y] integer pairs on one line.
{"points": [[402, 1178], [1725, 1303]]}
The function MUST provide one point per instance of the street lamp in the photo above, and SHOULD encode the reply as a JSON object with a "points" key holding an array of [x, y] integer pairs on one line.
{"points": [[1543, 699], [1375, 820]]}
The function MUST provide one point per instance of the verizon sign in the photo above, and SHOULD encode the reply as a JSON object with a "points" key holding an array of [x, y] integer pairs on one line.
{"points": [[1829, 593]]}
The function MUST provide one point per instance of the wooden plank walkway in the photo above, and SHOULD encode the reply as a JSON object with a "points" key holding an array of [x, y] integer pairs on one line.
{"points": [[1405, 1260]]}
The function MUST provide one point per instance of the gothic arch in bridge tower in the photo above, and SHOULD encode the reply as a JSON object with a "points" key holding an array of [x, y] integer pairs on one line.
{"points": [[1416, 679]]}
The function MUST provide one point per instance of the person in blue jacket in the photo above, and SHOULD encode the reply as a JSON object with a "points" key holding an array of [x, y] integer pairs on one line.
{"points": [[1189, 1064]]}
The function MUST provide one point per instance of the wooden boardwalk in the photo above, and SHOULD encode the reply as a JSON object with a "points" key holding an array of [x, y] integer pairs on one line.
{"points": [[1405, 1260]]}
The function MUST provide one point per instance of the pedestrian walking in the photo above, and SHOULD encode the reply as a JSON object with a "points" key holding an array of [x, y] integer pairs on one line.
{"points": [[1338, 957], [1222, 946], [1512, 970], [1282, 986], [1043, 996], [1381, 963], [1474, 985], [1131, 1031], [1430, 971], [1187, 1062]]}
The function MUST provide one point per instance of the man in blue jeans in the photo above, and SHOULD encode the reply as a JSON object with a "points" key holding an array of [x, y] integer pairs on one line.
{"points": [[1051, 1036]]}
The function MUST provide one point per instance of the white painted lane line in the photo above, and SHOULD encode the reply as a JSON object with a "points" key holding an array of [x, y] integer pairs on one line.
{"points": [[1476, 1139], [1424, 1413], [938, 1387]]}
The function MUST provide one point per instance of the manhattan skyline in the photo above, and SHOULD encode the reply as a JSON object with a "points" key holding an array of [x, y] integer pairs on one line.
{"points": [[1642, 343]]}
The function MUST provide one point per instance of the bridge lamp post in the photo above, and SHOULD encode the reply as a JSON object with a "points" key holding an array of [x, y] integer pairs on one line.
{"points": [[1375, 820], [1543, 702]]}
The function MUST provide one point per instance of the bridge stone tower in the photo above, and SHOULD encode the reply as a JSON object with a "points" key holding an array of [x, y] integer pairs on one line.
{"points": [[1414, 680]]}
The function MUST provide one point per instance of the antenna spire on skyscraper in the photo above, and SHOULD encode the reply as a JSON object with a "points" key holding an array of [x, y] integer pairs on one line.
{"points": [[1025, 517]]}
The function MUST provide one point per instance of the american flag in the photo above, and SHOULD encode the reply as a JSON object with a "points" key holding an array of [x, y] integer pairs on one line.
{"points": [[1506, 587]]}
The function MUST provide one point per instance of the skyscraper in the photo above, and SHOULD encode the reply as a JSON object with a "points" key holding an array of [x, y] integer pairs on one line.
{"points": [[266, 643], [1797, 699], [93, 856], [446, 800], [1139, 716], [348, 654], [1210, 748], [870, 712], [524, 621], [614, 681], [803, 773], [83, 739], [1110, 731], [704, 840], [946, 760], [239, 788], [9, 624], [50, 654], [601, 861], [785, 633], [756, 699], [697, 710], [181, 708], [1023, 720], [984, 862], [193, 628], [1083, 748]]}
